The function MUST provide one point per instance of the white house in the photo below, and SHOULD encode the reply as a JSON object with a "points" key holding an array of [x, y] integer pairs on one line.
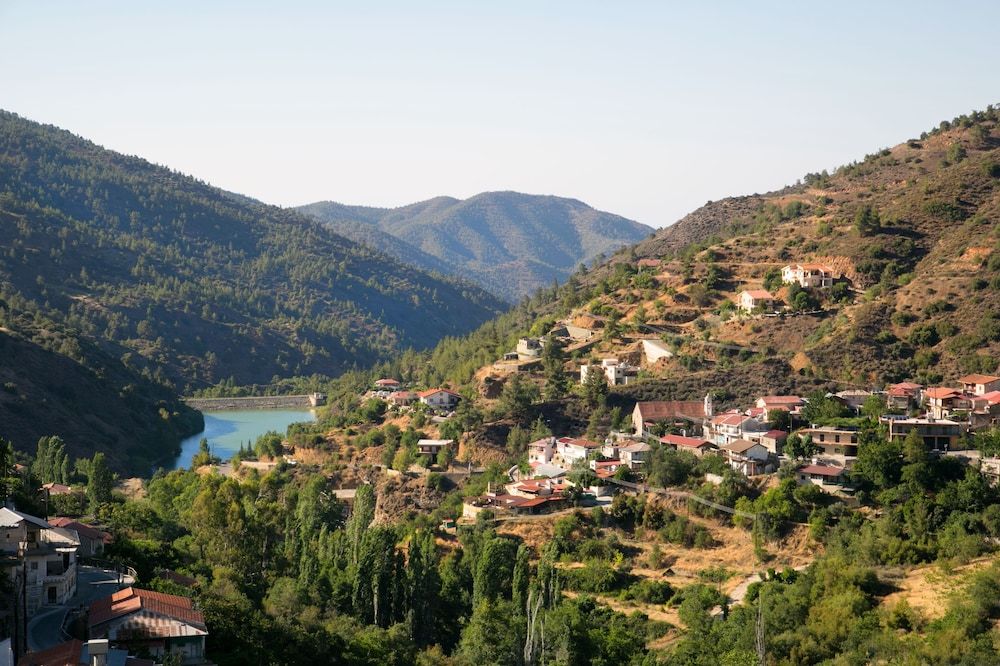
{"points": [[745, 456], [753, 299], [572, 450], [439, 398], [979, 384], [529, 348], [431, 447], [615, 372], [725, 428], [541, 451], [46, 558], [808, 275], [634, 455], [821, 475]]}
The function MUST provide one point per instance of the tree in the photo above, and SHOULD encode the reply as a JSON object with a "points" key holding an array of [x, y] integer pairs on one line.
{"points": [[867, 220], [797, 446], [517, 397], [101, 482], [7, 475], [779, 419], [517, 440], [556, 382], [595, 387], [821, 408], [874, 406]]}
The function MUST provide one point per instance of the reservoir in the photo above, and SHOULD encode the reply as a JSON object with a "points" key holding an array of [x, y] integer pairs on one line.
{"points": [[226, 430]]}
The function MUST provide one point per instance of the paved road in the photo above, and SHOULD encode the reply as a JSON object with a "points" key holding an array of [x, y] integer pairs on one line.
{"points": [[45, 629]]}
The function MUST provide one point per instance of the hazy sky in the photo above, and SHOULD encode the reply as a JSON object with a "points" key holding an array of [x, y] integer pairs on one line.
{"points": [[643, 109]]}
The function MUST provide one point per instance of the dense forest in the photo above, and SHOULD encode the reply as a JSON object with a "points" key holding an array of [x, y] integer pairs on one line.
{"points": [[191, 285]]}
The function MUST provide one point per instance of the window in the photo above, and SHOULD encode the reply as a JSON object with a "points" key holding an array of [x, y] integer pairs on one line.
{"points": [[34, 566]]}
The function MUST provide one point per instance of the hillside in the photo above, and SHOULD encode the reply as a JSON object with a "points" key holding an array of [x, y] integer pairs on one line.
{"points": [[191, 285], [57, 384], [510, 243], [911, 231]]}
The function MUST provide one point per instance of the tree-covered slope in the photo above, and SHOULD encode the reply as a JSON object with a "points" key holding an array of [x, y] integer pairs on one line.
{"points": [[508, 242], [190, 284]]}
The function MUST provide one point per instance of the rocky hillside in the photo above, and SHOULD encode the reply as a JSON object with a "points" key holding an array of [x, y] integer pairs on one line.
{"points": [[510, 243]]}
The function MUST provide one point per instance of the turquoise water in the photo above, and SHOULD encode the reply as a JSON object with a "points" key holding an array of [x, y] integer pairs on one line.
{"points": [[226, 430]]}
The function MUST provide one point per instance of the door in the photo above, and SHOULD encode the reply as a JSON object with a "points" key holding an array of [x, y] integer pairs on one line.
{"points": [[52, 594]]}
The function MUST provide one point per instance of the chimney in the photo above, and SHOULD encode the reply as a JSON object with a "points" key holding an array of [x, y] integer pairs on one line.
{"points": [[709, 407], [98, 651]]}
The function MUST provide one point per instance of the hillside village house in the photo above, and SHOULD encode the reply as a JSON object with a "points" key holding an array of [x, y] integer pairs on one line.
{"points": [[634, 455], [75, 652], [686, 414], [728, 427], [789, 403], [654, 350], [824, 476], [529, 348], [834, 441], [157, 623], [403, 398], [745, 456], [41, 557], [815, 276], [571, 449], [92, 540], [432, 447], [938, 434], [903, 396], [614, 371], [439, 398], [387, 384], [943, 401], [695, 445], [541, 450], [772, 440], [756, 299], [979, 384]]}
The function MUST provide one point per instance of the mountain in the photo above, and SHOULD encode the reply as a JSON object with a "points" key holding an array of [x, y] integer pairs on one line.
{"points": [[510, 243], [182, 285], [914, 230]]}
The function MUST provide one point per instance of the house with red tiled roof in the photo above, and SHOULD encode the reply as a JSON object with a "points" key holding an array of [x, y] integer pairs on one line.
{"points": [[92, 540], [789, 403], [439, 398], [821, 475], [977, 384], [942, 401], [816, 276], [755, 299], [156, 623], [387, 383], [903, 395], [695, 445], [403, 398], [725, 428], [689, 414]]}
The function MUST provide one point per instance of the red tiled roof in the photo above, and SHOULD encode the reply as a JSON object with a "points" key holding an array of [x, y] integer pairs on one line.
{"points": [[132, 599], [538, 501], [386, 382], [64, 654], [657, 411], [584, 443], [978, 379], [775, 434], [430, 392], [942, 392], [782, 399], [689, 442], [823, 470], [730, 419], [82, 529], [993, 397], [816, 267], [739, 445], [759, 294], [906, 386]]}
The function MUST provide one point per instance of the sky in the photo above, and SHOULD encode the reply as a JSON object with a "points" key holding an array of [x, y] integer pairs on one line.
{"points": [[643, 109]]}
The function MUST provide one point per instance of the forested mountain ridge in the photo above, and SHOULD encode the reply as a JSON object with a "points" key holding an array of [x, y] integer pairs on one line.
{"points": [[191, 285], [508, 242]]}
